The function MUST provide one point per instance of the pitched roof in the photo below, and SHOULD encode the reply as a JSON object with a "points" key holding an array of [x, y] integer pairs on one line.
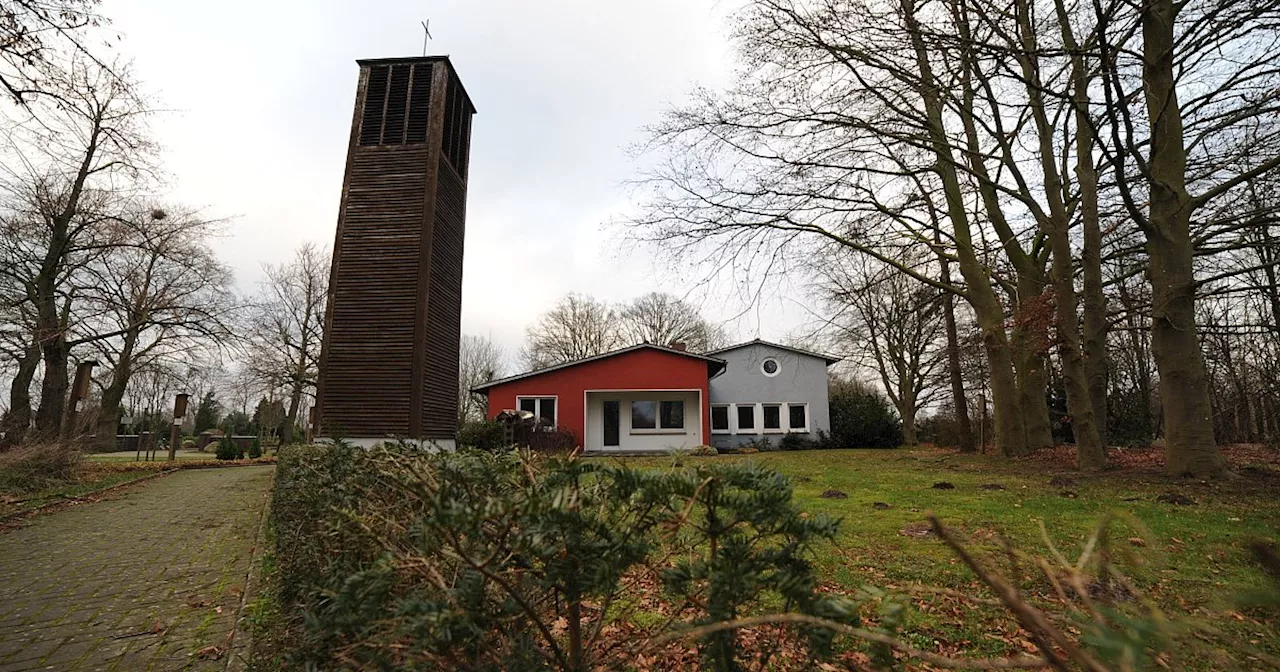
{"points": [[714, 361], [829, 359]]}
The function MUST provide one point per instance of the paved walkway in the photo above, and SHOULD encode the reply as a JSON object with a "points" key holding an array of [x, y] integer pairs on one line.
{"points": [[149, 579]]}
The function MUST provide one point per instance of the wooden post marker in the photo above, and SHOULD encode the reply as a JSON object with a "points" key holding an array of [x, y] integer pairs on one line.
{"points": [[179, 412]]}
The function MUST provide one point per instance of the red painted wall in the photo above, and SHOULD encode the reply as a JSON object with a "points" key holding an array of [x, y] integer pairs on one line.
{"points": [[643, 369]]}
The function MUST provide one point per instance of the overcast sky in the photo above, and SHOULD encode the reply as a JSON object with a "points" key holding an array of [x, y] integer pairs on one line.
{"points": [[261, 94]]}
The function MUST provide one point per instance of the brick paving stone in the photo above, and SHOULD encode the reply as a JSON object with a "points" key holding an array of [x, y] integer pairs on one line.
{"points": [[140, 581]]}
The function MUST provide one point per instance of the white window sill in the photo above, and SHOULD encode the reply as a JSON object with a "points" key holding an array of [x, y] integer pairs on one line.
{"points": [[799, 431], [775, 431], [658, 431], [720, 431]]}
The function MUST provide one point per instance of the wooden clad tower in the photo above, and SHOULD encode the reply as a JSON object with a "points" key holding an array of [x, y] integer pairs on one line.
{"points": [[389, 362]]}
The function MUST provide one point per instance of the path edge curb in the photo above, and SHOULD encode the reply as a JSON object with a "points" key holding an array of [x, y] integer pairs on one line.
{"points": [[92, 493], [240, 648]]}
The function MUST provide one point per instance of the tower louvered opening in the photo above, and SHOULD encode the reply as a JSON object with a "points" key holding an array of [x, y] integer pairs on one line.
{"points": [[457, 126], [397, 103]]}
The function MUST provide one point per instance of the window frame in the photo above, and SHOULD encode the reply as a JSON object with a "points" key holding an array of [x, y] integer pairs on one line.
{"points": [[728, 418], [658, 427], [661, 404], [807, 420], [764, 423], [538, 398], [737, 419], [777, 364]]}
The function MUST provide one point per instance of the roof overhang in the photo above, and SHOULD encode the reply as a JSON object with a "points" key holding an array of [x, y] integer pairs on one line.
{"points": [[714, 364], [829, 359]]}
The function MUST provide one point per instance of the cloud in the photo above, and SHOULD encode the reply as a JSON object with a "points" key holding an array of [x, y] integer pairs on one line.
{"points": [[262, 96]]}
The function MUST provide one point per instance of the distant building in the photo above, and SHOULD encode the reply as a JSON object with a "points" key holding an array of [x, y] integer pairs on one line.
{"points": [[650, 398], [389, 362], [767, 391]]}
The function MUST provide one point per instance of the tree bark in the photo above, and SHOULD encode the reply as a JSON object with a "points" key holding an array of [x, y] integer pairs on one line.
{"points": [[1056, 225], [17, 421], [964, 430], [113, 395], [1094, 323], [1190, 447], [1010, 430], [1030, 342]]}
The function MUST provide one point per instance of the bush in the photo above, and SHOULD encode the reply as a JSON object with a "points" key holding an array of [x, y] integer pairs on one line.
{"points": [[746, 450], [255, 448], [35, 467], [227, 449], [862, 417], [797, 442], [398, 559], [703, 451], [487, 435]]}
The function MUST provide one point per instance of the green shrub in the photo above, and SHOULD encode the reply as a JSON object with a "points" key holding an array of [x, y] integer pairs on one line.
{"points": [[227, 449], [255, 448], [398, 559], [487, 435], [38, 466], [862, 417], [797, 442], [703, 451]]}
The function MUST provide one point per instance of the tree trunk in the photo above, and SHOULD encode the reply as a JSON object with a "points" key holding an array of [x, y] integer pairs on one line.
{"points": [[53, 389], [109, 408], [17, 421], [1184, 387], [964, 431], [907, 411], [1094, 333], [1010, 430], [1030, 342], [1056, 224], [291, 416]]}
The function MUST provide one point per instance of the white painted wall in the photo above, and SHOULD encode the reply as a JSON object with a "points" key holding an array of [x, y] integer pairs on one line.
{"points": [[690, 437]]}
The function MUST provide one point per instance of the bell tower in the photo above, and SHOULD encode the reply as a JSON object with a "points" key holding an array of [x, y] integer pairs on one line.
{"points": [[389, 361]]}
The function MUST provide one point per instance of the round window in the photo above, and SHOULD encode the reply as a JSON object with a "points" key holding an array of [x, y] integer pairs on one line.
{"points": [[770, 367]]}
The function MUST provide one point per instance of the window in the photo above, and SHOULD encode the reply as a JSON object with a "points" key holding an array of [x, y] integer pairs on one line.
{"points": [[644, 415], [747, 419], [657, 415], [672, 416], [770, 367], [772, 417], [720, 419], [542, 407], [798, 417]]}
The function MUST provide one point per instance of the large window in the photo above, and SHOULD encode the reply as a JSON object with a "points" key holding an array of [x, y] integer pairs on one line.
{"points": [[747, 419], [798, 417], [644, 415], [672, 416], [542, 407], [657, 415], [772, 417], [720, 418]]}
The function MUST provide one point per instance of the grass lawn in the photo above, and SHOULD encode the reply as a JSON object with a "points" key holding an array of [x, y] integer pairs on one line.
{"points": [[89, 481], [1191, 560]]}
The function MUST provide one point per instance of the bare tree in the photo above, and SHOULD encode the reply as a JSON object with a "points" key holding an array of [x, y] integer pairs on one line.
{"points": [[664, 319], [889, 323], [286, 328], [1188, 149], [578, 326], [35, 34], [62, 199], [480, 360], [160, 295]]}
